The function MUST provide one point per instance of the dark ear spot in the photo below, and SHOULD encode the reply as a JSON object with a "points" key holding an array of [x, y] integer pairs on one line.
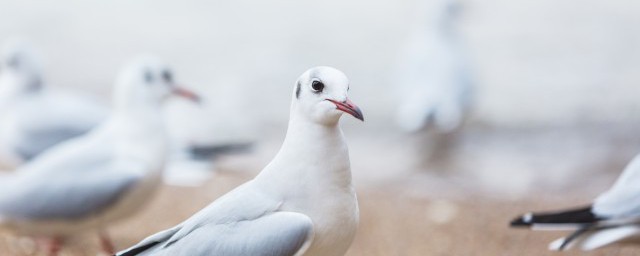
{"points": [[298, 90]]}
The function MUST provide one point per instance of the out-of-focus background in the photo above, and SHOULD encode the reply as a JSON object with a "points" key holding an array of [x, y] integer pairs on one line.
{"points": [[554, 116]]}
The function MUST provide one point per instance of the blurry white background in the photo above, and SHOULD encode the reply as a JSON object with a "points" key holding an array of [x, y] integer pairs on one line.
{"points": [[536, 63], [556, 108]]}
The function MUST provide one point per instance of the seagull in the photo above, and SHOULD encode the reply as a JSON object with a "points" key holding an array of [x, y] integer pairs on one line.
{"points": [[613, 216], [103, 176], [433, 74], [33, 116], [301, 203]]}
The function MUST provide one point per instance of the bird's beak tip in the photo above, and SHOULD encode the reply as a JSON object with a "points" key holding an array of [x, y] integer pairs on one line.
{"points": [[350, 108]]}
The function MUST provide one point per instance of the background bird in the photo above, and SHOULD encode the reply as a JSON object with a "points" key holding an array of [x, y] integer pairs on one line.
{"points": [[434, 84], [26, 130], [433, 75], [302, 202], [612, 217], [108, 174], [34, 116]]}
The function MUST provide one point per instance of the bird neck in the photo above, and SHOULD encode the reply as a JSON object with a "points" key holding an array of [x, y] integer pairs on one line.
{"points": [[312, 155], [13, 86], [140, 136]]}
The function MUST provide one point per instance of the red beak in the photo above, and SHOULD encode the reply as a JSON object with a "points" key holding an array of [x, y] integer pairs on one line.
{"points": [[348, 107], [176, 90]]}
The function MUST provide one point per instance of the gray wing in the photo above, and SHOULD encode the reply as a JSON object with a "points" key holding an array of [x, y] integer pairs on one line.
{"points": [[37, 141], [274, 234], [76, 179], [66, 196], [66, 116]]}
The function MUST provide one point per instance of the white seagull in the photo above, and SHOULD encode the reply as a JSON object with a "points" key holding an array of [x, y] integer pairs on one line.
{"points": [[302, 203], [433, 74], [105, 175], [33, 116], [613, 216]]}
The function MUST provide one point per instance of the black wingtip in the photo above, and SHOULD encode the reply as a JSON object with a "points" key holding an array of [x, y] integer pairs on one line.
{"points": [[583, 215], [137, 250], [523, 221]]}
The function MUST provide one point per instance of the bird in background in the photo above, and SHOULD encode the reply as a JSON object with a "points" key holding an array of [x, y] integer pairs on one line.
{"points": [[34, 116], [614, 216], [27, 130], [302, 203], [108, 174], [433, 74]]}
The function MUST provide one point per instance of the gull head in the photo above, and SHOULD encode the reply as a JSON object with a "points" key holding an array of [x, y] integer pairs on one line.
{"points": [[320, 94], [148, 80], [20, 67]]}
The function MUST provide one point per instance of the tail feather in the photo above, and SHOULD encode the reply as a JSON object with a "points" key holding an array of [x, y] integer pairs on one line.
{"points": [[608, 236], [588, 239], [559, 245]]}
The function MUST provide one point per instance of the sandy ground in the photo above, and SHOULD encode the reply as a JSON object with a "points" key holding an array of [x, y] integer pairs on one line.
{"points": [[392, 223]]}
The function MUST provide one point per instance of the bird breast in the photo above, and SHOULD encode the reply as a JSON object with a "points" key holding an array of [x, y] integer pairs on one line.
{"points": [[335, 225]]}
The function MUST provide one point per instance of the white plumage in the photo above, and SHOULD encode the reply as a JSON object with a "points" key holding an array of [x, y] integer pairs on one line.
{"points": [[34, 116], [302, 203], [89, 182]]}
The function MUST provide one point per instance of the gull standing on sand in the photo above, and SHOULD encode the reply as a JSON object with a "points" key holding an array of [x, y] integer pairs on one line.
{"points": [[33, 116], [613, 216], [87, 183], [302, 203]]}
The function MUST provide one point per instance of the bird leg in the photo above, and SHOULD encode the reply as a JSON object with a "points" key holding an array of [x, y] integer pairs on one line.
{"points": [[105, 242]]}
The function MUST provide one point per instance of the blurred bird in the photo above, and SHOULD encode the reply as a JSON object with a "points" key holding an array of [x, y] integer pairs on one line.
{"points": [[613, 216], [26, 130], [302, 202], [34, 116], [191, 165], [433, 75], [87, 183]]}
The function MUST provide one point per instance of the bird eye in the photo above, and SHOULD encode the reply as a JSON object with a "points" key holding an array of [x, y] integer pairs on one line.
{"points": [[148, 77], [167, 76], [317, 86]]}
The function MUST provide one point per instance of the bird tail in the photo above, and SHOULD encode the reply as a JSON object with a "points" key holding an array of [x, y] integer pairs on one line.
{"points": [[590, 238]]}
